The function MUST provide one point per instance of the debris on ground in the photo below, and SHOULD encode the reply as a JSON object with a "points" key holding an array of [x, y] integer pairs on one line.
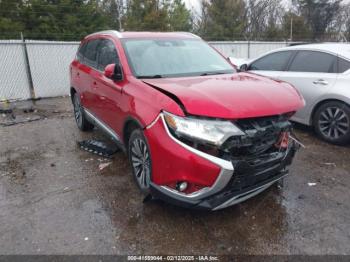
{"points": [[19, 120], [330, 164], [6, 111], [104, 165], [28, 110], [312, 184], [98, 147]]}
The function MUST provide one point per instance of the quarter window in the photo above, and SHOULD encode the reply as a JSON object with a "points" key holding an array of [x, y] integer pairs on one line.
{"points": [[81, 51], [273, 62], [312, 61], [343, 65], [107, 54]]}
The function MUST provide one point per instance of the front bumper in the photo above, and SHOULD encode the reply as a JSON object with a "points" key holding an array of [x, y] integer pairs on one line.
{"points": [[242, 186], [235, 182]]}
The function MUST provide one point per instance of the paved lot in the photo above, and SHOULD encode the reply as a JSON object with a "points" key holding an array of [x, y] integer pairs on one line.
{"points": [[55, 200]]}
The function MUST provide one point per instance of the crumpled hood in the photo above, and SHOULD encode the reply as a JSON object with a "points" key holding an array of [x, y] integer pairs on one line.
{"points": [[231, 96]]}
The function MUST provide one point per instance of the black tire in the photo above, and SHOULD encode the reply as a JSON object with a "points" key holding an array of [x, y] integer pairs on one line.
{"points": [[82, 123], [332, 122], [140, 160]]}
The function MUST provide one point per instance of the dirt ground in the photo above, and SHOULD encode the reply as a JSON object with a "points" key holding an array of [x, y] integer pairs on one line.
{"points": [[54, 199]]}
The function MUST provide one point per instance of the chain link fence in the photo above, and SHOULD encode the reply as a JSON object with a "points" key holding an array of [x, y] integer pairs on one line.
{"points": [[38, 69], [13, 75]]}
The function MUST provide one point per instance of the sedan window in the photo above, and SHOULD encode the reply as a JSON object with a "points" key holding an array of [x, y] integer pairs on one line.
{"points": [[273, 62], [343, 65], [313, 61]]}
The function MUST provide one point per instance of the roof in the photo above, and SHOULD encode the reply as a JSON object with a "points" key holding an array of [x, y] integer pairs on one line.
{"points": [[341, 49], [146, 34]]}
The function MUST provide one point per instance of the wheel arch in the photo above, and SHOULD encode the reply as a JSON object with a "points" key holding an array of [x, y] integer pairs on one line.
{"points": [[130, 125], [72, 91]]}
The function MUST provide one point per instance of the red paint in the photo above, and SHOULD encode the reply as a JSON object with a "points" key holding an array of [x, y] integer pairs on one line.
{"points": [[231, 96]]}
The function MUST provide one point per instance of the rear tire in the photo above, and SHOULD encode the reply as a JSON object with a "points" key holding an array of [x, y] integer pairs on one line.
{"points": [[140, 160], [82, 123], [332, 122]]}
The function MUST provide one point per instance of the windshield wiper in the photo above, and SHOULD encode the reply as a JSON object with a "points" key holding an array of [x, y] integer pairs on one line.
{"points": [[211, 73], [150, 77]]}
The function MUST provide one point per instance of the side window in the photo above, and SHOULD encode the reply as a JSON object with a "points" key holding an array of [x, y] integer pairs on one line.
{"points": [[273, 62], [107, 54], [313, 61], [91, 53], [343, 65], [80, 53]]}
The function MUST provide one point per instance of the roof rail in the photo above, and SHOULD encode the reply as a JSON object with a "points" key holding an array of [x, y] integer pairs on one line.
{"points": [[189, 34], [107, 32]]}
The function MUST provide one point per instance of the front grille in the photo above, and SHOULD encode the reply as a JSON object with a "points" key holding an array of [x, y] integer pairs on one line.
{"points": [[261, 135], [256, 156]]}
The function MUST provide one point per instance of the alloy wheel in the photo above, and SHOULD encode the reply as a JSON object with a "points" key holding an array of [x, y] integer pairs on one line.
{"points": [[77, 111], [333, 122], [141, 163]]}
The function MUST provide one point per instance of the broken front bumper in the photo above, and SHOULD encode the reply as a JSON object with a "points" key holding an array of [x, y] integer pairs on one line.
{"points": [[235, 185]]}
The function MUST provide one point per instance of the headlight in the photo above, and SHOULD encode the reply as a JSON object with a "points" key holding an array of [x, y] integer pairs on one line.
{"points": [[214, 132]]}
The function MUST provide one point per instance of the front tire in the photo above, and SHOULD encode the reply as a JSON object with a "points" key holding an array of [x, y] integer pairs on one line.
{"points": [[332, 122], [140, 160], [82, 123]]}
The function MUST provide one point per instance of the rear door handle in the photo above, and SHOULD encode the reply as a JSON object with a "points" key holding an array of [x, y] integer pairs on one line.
{"points": [[320, 82]]}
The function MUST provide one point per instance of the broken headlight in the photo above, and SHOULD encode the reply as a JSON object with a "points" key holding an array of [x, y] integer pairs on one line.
{"points": [[212, 132]]}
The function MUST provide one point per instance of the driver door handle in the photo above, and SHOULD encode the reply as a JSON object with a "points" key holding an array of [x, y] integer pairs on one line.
{"points": [[320, 82]]}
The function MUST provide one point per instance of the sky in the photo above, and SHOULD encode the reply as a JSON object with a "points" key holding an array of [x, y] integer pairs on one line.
{"points": [[194, 4]]}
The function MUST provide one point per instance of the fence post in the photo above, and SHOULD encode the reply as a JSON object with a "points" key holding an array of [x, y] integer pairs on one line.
{"points": [[248, 49], [28, 71]]}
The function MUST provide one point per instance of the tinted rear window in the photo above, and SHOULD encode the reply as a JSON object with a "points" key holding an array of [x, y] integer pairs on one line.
{"points": [[312, 61]]}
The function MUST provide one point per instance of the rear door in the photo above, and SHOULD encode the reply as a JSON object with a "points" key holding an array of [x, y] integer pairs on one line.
{"points": [[271, 65], [313, 73], [87, 70]]}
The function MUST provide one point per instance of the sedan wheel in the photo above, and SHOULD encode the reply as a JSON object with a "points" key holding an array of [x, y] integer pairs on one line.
{"points": [[333, 122], [140, 160]]}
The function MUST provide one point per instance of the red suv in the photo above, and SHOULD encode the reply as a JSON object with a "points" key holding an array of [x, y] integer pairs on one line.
{"points": [[197, 133]]}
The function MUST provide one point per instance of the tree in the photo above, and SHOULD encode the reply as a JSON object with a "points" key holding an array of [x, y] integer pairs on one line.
{"points": [[264, 19], [115, 9], [225, 19], [10, 13], [156, 15], [298, 26], [318, 14], [179, 16]]}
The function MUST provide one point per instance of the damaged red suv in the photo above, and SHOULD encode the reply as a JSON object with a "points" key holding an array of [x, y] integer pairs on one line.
{"points": [[197, 133]]}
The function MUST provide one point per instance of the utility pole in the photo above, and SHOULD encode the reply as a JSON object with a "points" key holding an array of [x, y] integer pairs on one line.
{"points": [[291, 29]]}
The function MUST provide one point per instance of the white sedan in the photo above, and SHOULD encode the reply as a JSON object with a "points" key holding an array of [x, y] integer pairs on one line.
{"points": [[321, 73]]}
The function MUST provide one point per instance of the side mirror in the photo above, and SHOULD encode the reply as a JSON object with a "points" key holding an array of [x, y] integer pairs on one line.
{"points": [[114, 71], [231, 62], [244, 67]]}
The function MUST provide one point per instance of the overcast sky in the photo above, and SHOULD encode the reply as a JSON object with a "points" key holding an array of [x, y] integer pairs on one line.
{"points": [[195, 3]]}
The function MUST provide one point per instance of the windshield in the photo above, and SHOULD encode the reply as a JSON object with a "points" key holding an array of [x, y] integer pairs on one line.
{"points": [[157, 58]]}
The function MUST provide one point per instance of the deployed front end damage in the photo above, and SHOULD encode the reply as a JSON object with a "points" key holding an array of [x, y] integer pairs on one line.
{"points": [[259, 158], [259, 155]]}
